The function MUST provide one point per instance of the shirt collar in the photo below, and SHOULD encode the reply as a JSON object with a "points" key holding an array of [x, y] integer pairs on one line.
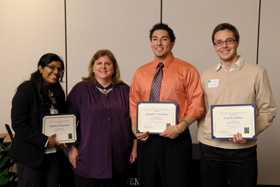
{"points": [[238, 64], [99, 85], [166, 61]]}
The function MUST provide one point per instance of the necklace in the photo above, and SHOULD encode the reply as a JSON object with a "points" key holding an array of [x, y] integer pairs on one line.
{"points": [[104, 91]]}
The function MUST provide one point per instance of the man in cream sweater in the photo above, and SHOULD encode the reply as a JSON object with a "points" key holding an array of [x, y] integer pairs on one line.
{"points": [[234, 81]]}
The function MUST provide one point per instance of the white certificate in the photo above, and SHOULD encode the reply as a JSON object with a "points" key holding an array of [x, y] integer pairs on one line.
{"points": [[227, 120], [155, 117], [64, 126]]}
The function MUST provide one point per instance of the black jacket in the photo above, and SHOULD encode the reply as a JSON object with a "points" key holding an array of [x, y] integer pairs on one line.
{"points": [[29, 144]]}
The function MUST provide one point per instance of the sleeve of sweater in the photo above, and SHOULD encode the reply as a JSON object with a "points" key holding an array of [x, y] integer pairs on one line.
{"points": [[266, 107]]}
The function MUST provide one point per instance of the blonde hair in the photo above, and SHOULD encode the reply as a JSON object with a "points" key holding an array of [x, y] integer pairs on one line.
{"points": [[103, 52]]}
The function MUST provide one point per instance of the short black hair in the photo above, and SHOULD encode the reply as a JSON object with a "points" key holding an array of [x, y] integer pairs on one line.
{"points": [[162, 26]]}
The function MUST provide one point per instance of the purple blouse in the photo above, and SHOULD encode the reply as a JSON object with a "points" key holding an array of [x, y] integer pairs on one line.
{"points": [[104, 131]]}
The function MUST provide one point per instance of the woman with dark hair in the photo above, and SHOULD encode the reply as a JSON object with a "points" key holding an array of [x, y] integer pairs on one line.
{"points": [[38, 155], [105, 140]]}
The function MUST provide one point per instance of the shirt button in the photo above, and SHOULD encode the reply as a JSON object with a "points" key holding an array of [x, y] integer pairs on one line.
{"points": [[109, 119]]}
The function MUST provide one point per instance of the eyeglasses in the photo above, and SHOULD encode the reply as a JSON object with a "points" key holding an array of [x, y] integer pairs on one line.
{"points": [[227, 41], [53, 67]]}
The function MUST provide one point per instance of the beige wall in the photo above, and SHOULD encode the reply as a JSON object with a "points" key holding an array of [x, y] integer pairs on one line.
{"points": [[30, 28], [269, 140], [120, 26]]}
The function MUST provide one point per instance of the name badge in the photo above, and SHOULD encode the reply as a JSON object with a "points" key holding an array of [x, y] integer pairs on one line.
{"points": [[213, 83]]}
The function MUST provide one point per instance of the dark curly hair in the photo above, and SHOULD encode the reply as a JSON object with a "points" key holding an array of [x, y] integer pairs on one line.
{"points": [[162, 26]]}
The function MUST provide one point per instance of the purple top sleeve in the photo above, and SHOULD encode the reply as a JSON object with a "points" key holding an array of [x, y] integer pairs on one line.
{"points": [[104, 131]]}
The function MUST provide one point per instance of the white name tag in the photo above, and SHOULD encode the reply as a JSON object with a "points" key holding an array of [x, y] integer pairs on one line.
{"points": [[213, 83]]}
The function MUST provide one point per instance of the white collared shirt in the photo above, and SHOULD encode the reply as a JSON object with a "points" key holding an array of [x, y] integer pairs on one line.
{"points": [[237, 64], [52, 111]]}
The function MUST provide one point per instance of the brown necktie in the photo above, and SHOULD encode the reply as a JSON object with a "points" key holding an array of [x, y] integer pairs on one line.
{"points": [[155, 88]]}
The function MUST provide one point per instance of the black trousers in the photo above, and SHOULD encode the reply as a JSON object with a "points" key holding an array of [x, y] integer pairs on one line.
{"points": [[47, 175], [163, 162], [228, 167]]}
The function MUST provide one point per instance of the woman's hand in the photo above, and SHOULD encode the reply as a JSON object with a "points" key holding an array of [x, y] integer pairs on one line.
{"points": [[73, 156], [133, 154], [52, 142]]}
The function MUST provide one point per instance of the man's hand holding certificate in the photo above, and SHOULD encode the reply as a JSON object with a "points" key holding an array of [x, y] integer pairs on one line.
{"points": [[228, 120], [155, 117]]}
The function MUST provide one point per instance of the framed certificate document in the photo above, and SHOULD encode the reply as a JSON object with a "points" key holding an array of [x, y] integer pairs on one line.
{"points": [[227, 120], [63, 125], [155, 117]]}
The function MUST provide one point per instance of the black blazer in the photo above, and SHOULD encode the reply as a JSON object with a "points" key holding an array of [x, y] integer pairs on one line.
{"points": [[29, 144]]}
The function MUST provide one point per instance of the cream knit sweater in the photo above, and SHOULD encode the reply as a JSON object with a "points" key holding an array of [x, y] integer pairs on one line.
{"points": [[247, 84]]}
